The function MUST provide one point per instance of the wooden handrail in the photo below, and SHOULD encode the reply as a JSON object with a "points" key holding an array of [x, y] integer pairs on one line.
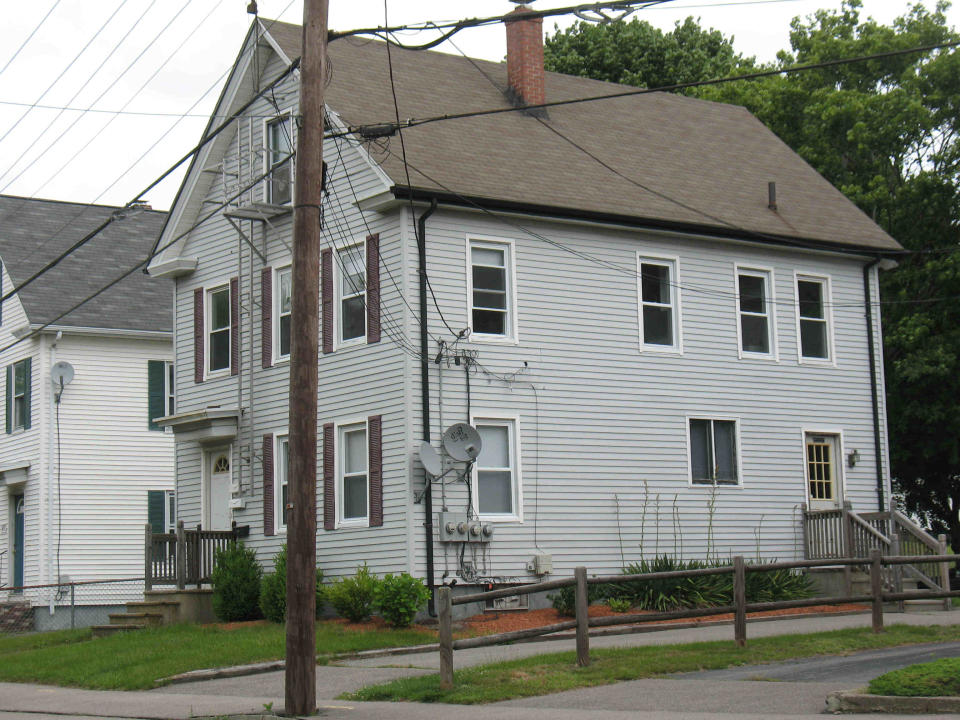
{"points": [[858, 520], [915, 530]]}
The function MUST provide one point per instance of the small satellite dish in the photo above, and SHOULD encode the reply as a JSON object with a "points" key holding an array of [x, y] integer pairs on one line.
{"points": [[462, 442], [430, 459], [61, 373]]}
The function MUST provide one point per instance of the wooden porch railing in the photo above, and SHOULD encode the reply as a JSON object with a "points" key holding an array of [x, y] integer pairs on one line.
{"points": [[186, 557]]}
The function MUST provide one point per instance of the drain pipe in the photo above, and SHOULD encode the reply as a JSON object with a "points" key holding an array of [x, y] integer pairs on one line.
{"points": [[874, 400], [425, 394]]}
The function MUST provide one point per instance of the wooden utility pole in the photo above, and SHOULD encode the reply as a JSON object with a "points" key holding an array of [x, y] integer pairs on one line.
{"points": [[300, 694]]}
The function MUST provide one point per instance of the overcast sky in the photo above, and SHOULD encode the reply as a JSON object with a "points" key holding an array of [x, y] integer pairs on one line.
{"points": [[160, 60]]}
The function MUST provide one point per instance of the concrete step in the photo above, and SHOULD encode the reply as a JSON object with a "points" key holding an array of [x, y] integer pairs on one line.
{"points": [[169, 609], [922, 605], [142, 618], [105, 630]]}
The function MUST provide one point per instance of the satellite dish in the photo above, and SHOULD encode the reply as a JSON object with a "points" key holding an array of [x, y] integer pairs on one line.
{"points": [[430, 459], [61, 373], [462, 442]]}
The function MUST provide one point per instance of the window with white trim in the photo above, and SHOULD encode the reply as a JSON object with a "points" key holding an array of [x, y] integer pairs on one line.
{"points": [[169, 388], [659, 321], [218, 329], [282, 310], [353, 475], [19, 394], [496, 476], [279, 144], [352, 267], [170, 512], [281, 471], [713, 452], [490, 288], [754, 307], [814, 324]]}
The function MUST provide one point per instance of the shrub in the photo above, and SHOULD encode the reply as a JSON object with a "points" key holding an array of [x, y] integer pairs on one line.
{"points": [[399, 598], [353, 598], [619, 605], [564, 601], [236, 583], [273, 589]]}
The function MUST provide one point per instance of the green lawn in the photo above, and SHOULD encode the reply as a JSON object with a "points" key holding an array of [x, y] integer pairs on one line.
{"points": [[557, 672], [933, 679], [136, 660]]}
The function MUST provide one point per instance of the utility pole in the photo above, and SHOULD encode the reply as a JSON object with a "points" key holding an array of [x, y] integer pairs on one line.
{"points": [[300, 694]]}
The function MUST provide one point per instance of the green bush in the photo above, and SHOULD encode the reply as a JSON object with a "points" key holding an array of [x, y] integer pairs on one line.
{"points": [[564, 601], [933, 679], [236, 583], [399, 598], [273, 589], [619, 605], [354, 597]]}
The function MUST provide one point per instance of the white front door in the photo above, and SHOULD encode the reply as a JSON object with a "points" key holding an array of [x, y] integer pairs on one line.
{"points": [[822, 454], [218, 490]]}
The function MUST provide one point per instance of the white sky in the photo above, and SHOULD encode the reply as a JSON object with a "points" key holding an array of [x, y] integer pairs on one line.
{"points": [[96, 157]]}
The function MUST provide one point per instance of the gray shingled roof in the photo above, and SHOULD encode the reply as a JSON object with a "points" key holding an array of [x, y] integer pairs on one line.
{"points": [[33, 232], [705, 165]]}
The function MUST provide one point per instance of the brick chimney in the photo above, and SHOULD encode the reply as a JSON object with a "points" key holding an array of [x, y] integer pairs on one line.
{"points": [[525, 56]]}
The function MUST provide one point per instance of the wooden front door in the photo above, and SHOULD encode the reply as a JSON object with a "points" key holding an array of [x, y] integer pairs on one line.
{"points": [[822, 453]]}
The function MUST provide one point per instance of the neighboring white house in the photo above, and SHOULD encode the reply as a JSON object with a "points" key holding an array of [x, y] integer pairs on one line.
{"points": [[660, 356], [80, 477]]}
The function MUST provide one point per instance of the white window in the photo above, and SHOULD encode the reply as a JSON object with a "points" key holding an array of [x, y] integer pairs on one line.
{"points": [[279, 142], [490, 290], [497, 471], [755, 308], [714, 458], [20, 395], [218, 329], [659, 304], [170, 512], [353, 490], [169, 388], [813, 320], [282, 312], [281, 470], [352, 291]]}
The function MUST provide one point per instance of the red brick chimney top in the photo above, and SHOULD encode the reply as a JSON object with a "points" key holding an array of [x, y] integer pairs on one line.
{"points": [[525, 56]]}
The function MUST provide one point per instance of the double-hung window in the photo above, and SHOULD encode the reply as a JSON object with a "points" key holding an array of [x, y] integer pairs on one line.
{"points": [[218, 329], [279, 142], [281, 489], [756, 313], [659, 304], [283, 311], [353, 293], [497, 474], [812, 318], [354, 491], [713, 452], [18, 395], [169, 388], [491, 290]]}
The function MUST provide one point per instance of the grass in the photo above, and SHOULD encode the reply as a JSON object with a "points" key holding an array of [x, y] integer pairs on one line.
{"points": [[557, 672], [933, 679], [136, 660]]}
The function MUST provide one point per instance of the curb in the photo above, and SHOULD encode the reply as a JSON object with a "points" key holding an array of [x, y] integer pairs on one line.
{"points": [[858, 701]]}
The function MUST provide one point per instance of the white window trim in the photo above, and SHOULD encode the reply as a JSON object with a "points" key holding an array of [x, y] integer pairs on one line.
{"points": [[338, 450], [840, 460], [169, 523], [707, 416], [338, 278], [275, 313], [209, 374], [264, 130], [27, 390], [512, 422], [674, 262], [770, 282], [206, 454], [169, 390], [279, 527], [512, 325], [831, 359]]}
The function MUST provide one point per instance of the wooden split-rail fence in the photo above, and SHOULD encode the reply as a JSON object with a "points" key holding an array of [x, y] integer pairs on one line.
{"points": [[182, 558]]}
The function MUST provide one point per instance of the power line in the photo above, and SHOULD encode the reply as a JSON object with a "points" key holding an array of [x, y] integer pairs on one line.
{"points": [[29, 37]]}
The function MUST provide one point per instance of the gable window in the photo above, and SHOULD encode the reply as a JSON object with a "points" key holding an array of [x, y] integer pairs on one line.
{"points": [[659, 304], [18, 395], [353, 474], [218, 329], [755, 310], [713, 452], [497, 476], [352, 289], [814, 325], [282, 470], [279, 146], [490, 290], [283, 310]]}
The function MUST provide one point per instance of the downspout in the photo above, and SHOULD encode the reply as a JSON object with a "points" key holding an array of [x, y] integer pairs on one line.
{"points": [[874, 400], [425, 393]]}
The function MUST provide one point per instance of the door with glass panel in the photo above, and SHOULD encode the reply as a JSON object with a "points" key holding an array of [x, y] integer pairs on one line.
{"points": [[821, 453]]}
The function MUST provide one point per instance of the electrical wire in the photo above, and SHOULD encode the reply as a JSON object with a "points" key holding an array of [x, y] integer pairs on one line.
{"points": [[29, 37]]}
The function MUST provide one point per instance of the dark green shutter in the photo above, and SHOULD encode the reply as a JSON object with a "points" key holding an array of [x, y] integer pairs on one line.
{"points": [[9, 403], [155, 392], [155, 503], [27, 388]]}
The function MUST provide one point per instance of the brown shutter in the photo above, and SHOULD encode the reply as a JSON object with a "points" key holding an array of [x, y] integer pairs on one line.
{"points": [[373, 288], [326, 294], [266, 316], [375, 443], [268, 499], [234, 326], [329, 496], [198, 335]]}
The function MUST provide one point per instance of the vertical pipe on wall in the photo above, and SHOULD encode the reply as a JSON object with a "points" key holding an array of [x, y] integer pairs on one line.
{"points": [[874, 400]]}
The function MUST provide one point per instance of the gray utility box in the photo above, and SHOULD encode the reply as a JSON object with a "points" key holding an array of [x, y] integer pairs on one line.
{"points": [[454, 527]]}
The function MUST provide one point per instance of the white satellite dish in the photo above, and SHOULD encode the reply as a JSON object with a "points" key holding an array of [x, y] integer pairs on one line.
{"points": [[61, 373], [430, 459], [462, 442]]}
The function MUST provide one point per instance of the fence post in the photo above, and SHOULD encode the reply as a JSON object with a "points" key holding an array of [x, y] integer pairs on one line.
{"points": [[897, 570], [583, 618], [197, 559], [73, 606], [739, 601], [846, 538], [876, 590], [944, 571], [181, 556], [446, 638], [147, 557]]}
